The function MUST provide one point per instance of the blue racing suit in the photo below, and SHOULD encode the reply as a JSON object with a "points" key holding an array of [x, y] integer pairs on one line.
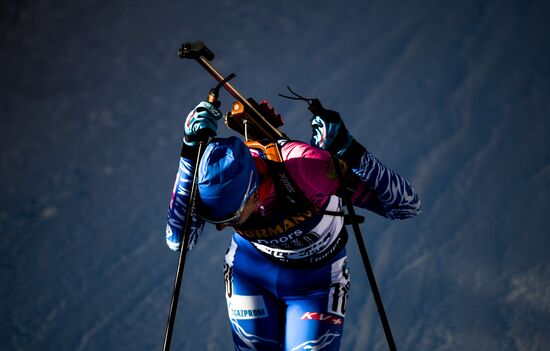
{"points": [[286, 273]]}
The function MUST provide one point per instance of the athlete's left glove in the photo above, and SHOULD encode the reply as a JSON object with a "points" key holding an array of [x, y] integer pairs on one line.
{"points": [[202, 121], [329, 131]]}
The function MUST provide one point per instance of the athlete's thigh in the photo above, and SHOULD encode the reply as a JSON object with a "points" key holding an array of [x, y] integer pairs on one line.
{"points": [[256, 316], [256, 322], [311, 326], [315, 321]]}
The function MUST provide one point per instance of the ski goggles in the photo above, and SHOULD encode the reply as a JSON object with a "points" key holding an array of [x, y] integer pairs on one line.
{"points": [[234, 217]]}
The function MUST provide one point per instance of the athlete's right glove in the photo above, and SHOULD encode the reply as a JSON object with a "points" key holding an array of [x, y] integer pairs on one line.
{"points": [[329, 131], [201, 122]]}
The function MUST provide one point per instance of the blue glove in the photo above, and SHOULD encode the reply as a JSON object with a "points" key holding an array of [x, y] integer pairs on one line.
{"points": [[201, 122], [329, 131]]}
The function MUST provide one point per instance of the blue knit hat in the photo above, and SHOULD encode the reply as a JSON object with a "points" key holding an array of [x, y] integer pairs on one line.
{"points": [[227, 178]]}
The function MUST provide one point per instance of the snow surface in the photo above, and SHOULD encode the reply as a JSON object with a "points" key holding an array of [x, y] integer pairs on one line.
{"points": [[452, 94]]}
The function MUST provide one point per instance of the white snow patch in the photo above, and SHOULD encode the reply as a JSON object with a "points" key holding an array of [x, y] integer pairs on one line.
{"points": [[49, 212], [531, 288]]}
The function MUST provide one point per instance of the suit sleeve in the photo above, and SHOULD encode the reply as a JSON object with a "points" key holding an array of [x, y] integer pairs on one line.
{"points": [[394, 197], [179, 205]]}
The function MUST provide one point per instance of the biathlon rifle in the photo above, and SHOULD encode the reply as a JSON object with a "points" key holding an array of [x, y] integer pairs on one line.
{"points": [[253, 120]]}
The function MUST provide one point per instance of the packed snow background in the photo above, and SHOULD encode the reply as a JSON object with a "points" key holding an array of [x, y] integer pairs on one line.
{"points": [[454, 95]]}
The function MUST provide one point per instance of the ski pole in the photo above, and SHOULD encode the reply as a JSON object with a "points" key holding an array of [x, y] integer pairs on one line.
{"points": [[202, 137], [365, 258], [183, 251]]}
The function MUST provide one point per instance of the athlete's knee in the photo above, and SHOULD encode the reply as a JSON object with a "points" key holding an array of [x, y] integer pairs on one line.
{"points": [[329, 341], [251, 335], [315, 331]]}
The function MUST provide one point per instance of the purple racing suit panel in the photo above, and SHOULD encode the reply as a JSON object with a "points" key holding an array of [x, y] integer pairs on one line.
{"points": [[374, 186], [312, 171]]}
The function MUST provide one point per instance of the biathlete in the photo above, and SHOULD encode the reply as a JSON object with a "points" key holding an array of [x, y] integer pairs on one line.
{"points": [[286, 272]]}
